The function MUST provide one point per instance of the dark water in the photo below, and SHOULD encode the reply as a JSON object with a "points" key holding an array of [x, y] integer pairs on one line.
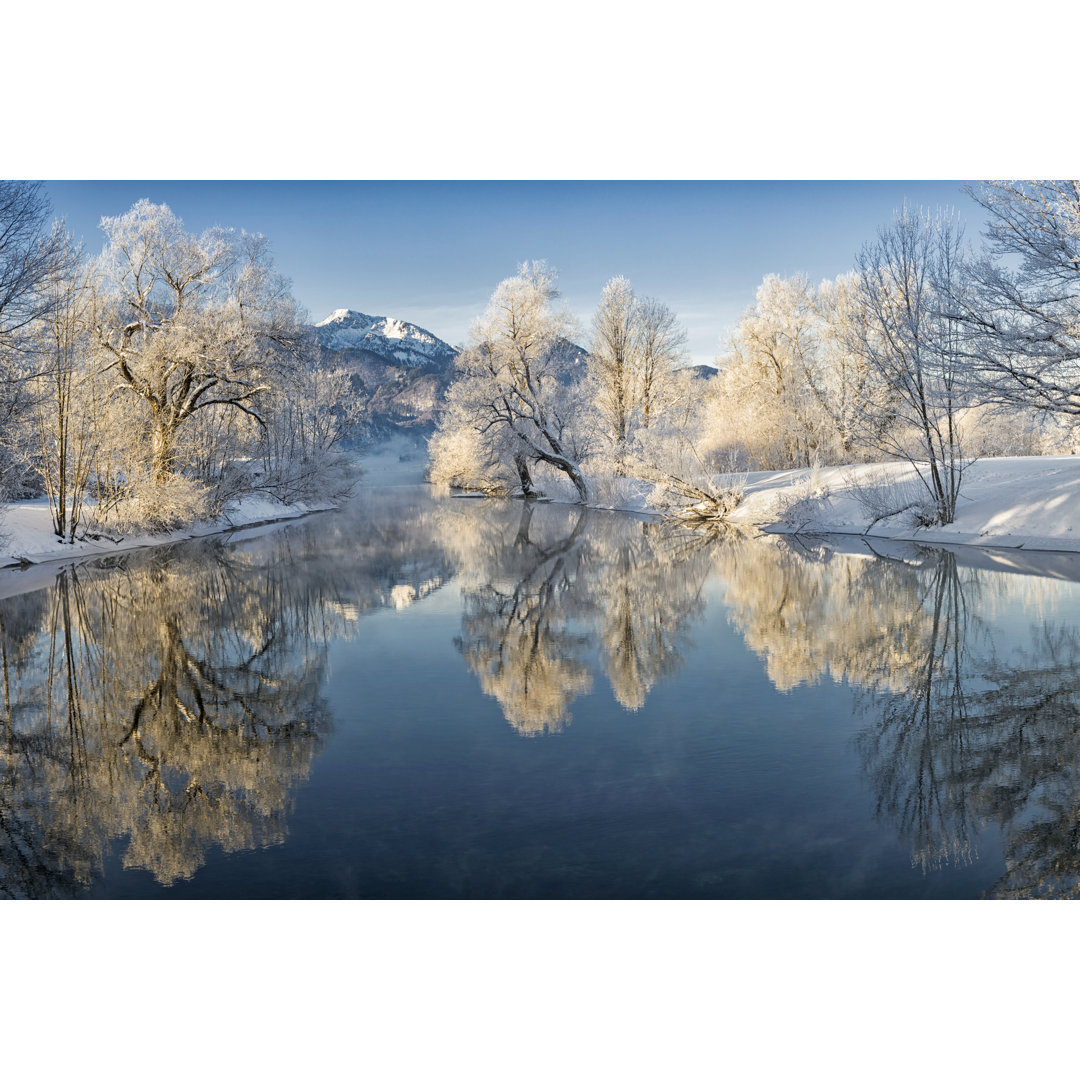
{"points": [[427, 697]]}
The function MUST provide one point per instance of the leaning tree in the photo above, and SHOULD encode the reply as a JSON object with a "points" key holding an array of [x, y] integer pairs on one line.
{"points": [[520, 376]]}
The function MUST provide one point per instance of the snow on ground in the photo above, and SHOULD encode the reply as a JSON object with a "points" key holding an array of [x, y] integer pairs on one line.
{"points": [[29, 549], [1031, 503], [27, 537]]}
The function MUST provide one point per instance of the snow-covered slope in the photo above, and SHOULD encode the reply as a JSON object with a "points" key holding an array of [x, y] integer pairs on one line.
{"points": [[1031, 503], [398, 342]]}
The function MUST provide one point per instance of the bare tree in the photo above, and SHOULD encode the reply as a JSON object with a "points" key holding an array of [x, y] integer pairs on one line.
{"points": [[1025, 302], [909, 279], [311, 411], [29, 254], [63, 417]]}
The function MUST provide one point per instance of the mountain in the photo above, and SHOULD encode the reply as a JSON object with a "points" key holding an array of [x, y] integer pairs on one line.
{"points": [[397, 342], [400, 370], [702, 371]]}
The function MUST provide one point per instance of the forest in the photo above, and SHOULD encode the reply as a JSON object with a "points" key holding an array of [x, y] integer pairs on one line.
{"points": [[148, 385]]}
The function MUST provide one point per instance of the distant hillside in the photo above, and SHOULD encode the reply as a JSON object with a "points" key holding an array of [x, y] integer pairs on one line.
{"points": [[401, 371], [702, 371]]}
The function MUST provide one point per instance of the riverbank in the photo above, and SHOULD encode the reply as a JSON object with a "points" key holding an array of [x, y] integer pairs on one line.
{"points": [[1031, 503], [27, 539]]}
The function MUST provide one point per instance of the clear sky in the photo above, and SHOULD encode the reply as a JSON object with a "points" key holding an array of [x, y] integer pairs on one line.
{"points": [[431, 252]]}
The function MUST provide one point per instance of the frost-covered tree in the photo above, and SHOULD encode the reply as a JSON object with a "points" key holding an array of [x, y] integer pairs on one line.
{"points": [[29, 255], [636, 346], [909, 281], [462, 455], [151, 385], [843, 382], [189, 322], [768, 399], [613, 366], [661, 348], [520, 394], [1024, 304]]}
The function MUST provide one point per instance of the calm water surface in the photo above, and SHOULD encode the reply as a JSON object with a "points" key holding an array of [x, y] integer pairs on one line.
{"points": [[425, 697]]}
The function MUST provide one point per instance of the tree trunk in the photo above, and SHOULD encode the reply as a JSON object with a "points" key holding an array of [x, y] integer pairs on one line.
{"points": [[527, 491], [164, 452], [574, 473]]}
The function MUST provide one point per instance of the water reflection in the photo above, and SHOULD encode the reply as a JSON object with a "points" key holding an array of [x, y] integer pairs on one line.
{"points": [[172, 702], [1025, 761], [971, 718], [517, 629], [159, 707], [542, 592], [809, 612]]}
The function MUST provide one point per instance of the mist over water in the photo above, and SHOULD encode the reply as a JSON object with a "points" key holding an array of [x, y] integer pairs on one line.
{"points": [[423, 696]]}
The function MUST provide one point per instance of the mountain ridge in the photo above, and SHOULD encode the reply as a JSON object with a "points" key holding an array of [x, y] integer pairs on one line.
{"points": [[396, 341], [398, 370]]}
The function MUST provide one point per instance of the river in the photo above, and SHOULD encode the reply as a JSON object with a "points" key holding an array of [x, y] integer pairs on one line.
{"points": [[422, 696]]}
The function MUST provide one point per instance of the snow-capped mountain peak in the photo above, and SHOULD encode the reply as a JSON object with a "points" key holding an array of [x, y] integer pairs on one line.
{"points": [[402, 343], [340, 315]]}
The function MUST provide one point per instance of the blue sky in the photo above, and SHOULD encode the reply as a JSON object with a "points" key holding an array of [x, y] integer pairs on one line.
{"points": [[431, 252]]}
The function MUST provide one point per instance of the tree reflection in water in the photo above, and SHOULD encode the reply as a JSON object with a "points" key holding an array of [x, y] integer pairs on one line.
{"points": [[543, 589], [988, 730], [172, 702], [915, 750], [517, 629], [164, 705], [969, 723], [1028, 769]]}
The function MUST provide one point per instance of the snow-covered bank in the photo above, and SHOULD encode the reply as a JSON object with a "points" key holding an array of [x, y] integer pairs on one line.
{"points": [[1031, 503], [30, 550], [27, 537]]}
